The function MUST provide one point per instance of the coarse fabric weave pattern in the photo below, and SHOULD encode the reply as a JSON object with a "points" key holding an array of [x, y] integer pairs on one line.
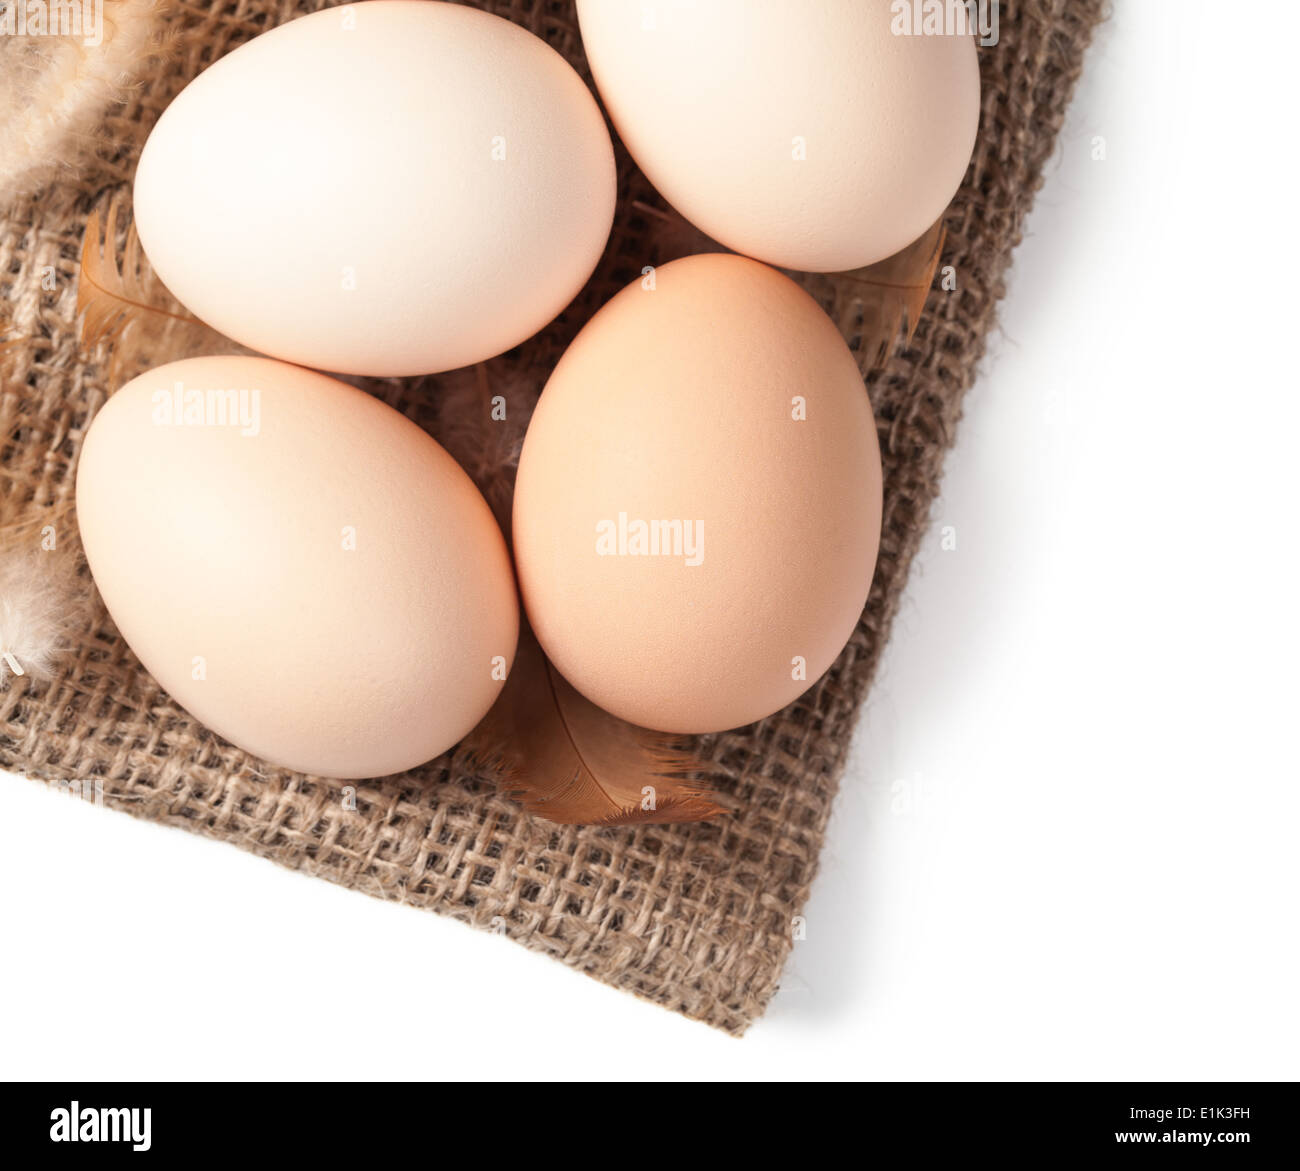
{"points": [[696, 918]]}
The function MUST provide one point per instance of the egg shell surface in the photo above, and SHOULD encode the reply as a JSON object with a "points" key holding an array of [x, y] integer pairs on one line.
{"points": [[809, 134], [302, 568], [698, 505], [394, 187]]}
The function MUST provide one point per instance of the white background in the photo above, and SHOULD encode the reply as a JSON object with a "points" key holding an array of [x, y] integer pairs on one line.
{"points": [[1066, 846]]}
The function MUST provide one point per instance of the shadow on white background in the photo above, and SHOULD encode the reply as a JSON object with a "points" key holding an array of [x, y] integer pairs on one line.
{"points": [[1064, 843]]}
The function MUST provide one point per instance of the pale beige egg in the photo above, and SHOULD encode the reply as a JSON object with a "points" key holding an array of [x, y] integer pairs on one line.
{"points": [[698, 505], [301, 567], [811, 134], [394, 187]]}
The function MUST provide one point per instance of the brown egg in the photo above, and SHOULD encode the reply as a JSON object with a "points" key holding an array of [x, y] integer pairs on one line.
{"points": [[698, 505]]}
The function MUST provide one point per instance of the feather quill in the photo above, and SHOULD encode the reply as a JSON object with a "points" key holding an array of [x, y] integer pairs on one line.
{"points": [[565, 759]]}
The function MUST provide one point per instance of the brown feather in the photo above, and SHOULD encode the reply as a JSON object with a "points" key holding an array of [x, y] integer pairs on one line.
{"points": [[124, 306], [674, 236], [892, 294], [485, 441], [115, 287], [566, 760]]}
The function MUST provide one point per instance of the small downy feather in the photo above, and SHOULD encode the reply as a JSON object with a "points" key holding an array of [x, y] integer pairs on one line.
{"points": [[570, 762], [57, 87], [44, 608]]}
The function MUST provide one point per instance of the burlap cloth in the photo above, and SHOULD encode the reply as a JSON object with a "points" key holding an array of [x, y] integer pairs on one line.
{"points": [[697, 918]]}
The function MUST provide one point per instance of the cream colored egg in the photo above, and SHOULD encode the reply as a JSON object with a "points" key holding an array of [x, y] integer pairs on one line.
{"points": [[301, 567], [809, 134], [698, 505], [393, 187]]}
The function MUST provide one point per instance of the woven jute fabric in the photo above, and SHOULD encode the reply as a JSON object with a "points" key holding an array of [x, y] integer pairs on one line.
{"points": [[696, 918]]}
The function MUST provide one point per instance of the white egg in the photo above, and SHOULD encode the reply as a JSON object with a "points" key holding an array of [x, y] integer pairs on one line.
{"points": [[811, 134], [390, 188]]}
